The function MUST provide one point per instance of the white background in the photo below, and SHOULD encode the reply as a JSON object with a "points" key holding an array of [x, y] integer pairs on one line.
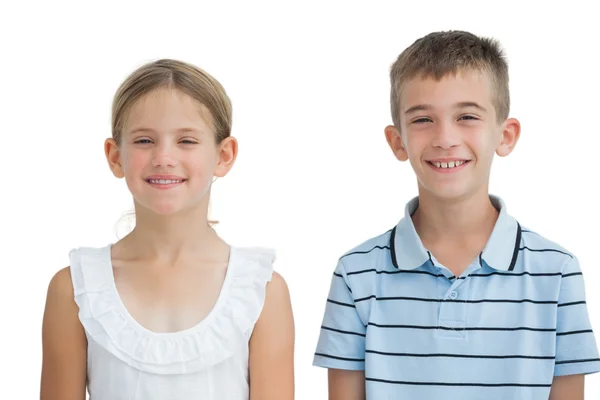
{"points": [[309, 84]]}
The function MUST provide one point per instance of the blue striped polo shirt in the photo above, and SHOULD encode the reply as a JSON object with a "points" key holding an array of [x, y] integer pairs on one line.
{"points": [[512, 321]]}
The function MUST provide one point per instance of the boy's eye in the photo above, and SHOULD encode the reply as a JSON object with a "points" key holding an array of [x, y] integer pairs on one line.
{"points": [[188, 141], [468, 118], [143, 141], [421, 120]]}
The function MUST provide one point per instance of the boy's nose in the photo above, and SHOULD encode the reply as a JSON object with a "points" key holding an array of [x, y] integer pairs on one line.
{"points": [[446, 136]]}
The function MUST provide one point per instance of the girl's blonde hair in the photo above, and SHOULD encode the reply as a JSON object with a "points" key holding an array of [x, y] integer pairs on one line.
{"points": [[173, 74]]}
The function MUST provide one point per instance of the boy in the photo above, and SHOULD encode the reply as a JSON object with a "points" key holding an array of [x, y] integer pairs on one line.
{"points": [[457, 301]]}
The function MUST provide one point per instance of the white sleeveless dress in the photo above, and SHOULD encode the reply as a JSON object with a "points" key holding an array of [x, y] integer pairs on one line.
{"points": [[208, 361]]}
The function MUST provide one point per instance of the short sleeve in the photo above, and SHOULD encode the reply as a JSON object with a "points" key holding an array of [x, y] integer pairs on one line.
{"points": [[341, 342], [576, 347]]}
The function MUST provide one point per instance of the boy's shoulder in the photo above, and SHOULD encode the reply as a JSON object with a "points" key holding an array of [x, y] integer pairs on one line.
{"points": [[540, 254], [368, 254], [544, 248]]}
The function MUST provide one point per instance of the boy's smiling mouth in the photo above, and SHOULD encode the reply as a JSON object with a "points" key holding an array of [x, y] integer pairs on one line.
{"points": [[448, 165]]}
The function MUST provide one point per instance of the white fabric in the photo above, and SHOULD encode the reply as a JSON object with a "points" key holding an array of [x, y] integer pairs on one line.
{"points": [[208, 361]]}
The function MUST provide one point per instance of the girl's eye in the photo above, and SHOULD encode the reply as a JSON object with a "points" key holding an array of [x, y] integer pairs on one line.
{"points": [[187, 141], [143, 141]]}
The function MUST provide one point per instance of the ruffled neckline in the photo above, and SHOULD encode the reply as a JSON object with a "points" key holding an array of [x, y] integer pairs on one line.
{"points": [[217, 337]]}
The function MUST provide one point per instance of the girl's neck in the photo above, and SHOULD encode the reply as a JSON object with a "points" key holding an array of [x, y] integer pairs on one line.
{"points": [[167, 239]]}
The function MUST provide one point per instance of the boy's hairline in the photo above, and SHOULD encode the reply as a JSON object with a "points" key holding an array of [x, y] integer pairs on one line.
{"points": [[422, 75]]}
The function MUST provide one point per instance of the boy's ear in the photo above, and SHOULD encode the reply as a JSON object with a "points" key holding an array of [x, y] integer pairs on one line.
{"points": [[113, 156], [394, 139], [510, 137]]}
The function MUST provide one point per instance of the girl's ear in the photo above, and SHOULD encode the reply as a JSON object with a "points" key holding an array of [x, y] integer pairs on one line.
{"points": [[113, 156], [227, 153]]}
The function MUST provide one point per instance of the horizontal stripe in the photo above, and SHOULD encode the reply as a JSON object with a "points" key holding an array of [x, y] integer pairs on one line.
{"points": [[339, 303], [411, 271], [458, 383], [397, 271], [545, 250], [571, 304], [455, 301], [533, 274], [344, 332], [578, 361], [459, 355], [574, 332], [517, 328], [340, 358], [365, 251]]}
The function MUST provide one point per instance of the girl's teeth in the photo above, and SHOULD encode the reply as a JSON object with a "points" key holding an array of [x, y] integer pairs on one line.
{"points": [[164, 181]]}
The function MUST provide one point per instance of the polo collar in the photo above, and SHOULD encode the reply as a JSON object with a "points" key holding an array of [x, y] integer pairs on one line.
{"points": [[500, 252]]}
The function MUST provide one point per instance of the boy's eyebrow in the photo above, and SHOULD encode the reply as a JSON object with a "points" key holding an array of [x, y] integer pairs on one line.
{"points": [[470, 104], [418, 107], [462, 104]]}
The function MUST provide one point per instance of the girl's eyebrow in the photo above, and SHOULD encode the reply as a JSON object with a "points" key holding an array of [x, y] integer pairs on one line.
{"points": [[179, 131]]}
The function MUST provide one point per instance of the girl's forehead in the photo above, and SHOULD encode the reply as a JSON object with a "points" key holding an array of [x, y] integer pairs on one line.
{"points": [[168, 109]]}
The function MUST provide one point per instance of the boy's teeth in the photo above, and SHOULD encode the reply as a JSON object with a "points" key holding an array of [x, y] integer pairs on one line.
{"points": [[164, 181], [450, 164]]}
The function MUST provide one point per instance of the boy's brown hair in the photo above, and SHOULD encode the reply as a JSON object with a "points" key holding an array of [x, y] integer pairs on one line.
{"points": [[441, 53]]}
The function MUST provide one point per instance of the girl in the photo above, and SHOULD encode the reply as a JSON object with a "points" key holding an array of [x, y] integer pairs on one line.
{"points": [[170, 311]]}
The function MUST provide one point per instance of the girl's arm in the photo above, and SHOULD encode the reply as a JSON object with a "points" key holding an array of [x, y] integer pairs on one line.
{"points": [[64, 343], [272, 346]]}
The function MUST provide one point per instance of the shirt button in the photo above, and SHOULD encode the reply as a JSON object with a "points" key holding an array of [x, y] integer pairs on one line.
{"points": [[453, 295]]}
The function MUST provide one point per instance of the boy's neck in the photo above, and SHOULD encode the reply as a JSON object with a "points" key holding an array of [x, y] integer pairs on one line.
{"points": [[438, 220]]}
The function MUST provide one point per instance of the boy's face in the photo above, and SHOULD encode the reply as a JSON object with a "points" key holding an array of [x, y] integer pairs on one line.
{"points": [[449, 132]]}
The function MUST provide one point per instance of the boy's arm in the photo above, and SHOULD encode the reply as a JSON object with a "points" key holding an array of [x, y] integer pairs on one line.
{"points": [[341, 346], [64, 345], [576, 348], [346, 385], [568, 387], [271, 364]]}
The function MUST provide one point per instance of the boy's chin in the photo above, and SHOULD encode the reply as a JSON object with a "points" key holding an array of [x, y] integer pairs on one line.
{"points": [[447, 193]]}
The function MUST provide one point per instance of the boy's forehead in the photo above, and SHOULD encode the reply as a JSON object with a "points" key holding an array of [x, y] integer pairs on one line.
{"points": [[452, 88]]}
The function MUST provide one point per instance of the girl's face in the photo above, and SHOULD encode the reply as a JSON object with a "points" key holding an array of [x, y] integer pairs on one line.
{"points": [[168, 153]]}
